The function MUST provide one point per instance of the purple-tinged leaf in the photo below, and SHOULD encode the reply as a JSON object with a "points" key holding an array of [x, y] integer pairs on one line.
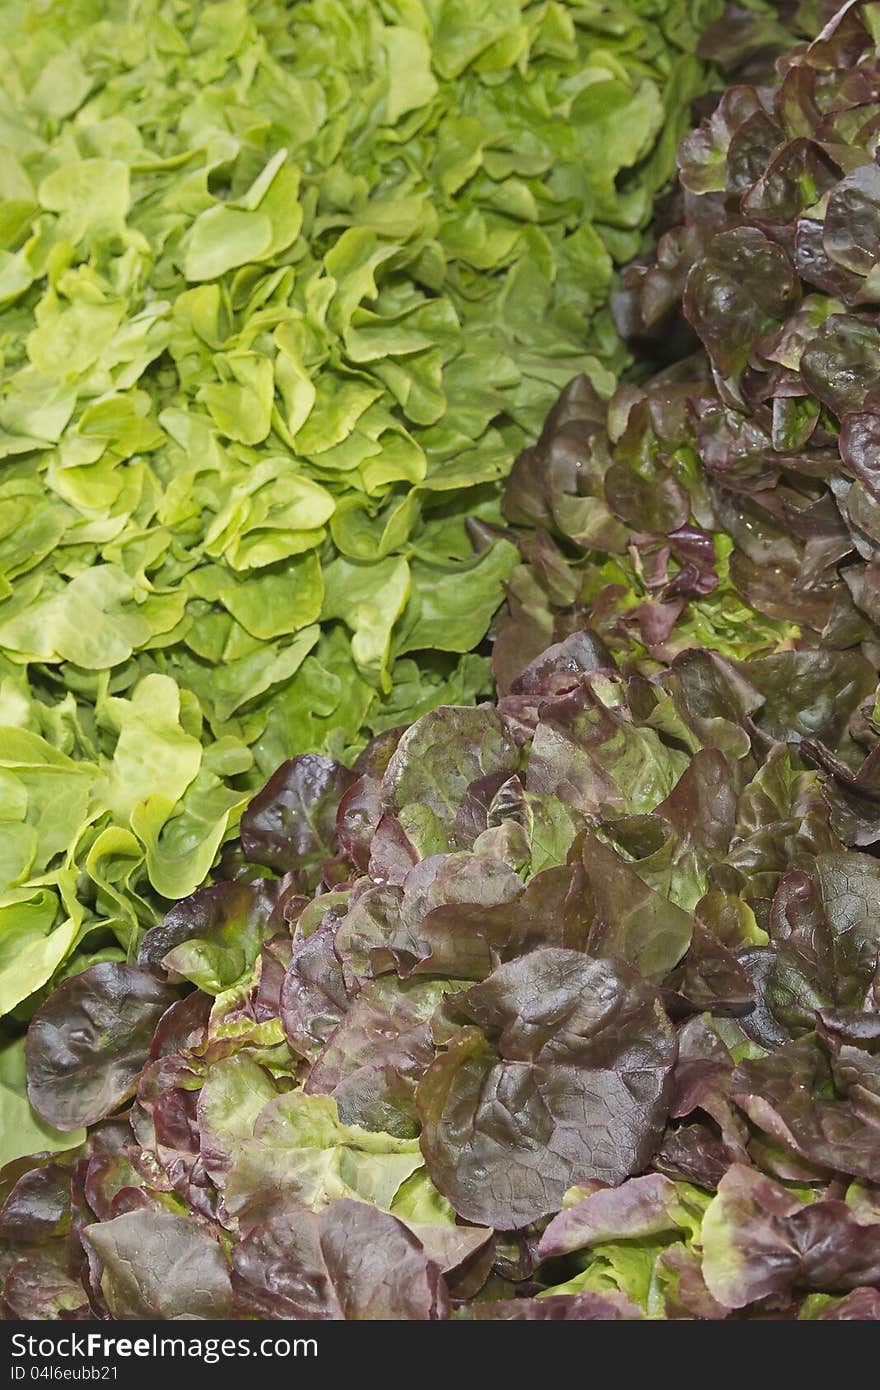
{"points": [[152, 1264], [742, 288], [862, 1305], [349, 1262], [579, 1307], [39, 1288], [564, 1077], [38, 1207], [788, 1095], [291, 823], [87, 1043], [644, 1206], [213, 938], [760, 1240]]}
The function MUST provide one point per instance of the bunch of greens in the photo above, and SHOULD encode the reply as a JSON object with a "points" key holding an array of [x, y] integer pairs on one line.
{"points": [[775, 266], [582, 1021], [733, 502], [619, 527], [566, 1006], [283, 289]]}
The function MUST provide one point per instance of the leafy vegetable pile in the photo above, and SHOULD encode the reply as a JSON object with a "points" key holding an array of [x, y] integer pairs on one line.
{"points": [[733, 502], [775, 266], [618, 525], [283, 289], [583, 1025], [566, 1006]]}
